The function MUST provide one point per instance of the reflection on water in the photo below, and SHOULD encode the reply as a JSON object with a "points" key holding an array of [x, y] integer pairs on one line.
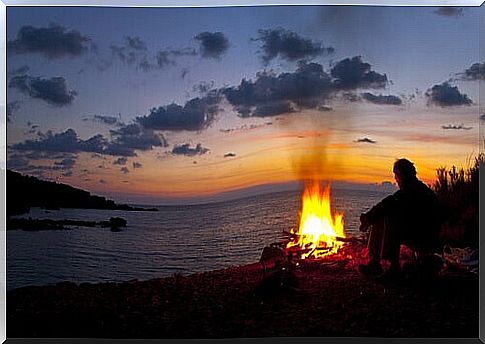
{"points": [[183, 239]]}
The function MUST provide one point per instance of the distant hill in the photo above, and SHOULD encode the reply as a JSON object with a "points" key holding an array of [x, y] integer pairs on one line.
{"points": [[24, 192]]}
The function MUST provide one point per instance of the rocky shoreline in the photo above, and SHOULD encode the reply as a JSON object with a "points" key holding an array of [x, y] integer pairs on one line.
{"points": [[29, 224], [314, 298]]}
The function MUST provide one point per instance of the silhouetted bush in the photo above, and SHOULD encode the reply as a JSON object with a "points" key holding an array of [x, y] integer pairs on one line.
{"points": [[458, 193]]}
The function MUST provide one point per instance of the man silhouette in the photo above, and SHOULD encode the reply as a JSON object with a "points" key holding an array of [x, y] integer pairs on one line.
{"points": [[410, 216]]}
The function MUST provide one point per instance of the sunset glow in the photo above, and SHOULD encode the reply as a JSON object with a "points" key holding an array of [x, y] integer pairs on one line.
{"points": [[152, 110]]}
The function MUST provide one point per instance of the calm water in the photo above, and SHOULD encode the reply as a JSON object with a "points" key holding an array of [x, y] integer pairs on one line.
{"points": [[183, 239]]}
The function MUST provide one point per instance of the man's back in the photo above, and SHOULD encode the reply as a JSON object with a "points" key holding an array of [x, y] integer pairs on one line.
{"points": [[418, 211]]}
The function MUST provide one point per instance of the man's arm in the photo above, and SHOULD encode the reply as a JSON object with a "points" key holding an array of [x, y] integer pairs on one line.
{"points": [[378, 211]]}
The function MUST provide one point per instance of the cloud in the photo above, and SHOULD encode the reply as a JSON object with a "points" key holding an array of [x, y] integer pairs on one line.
{"points": [[212, 44], [62, 142], [245, 127], [135, 43], [168, 57], [11, 108], [475, 72], [131, 137], [271, 95], [445, 95], [53, 41], [229, 155], [120, 161], [66, 163], [125, 142], [53, 91], [17, 162], [134, 52], [102, 181], [350, 97], [196, 114], [203, 87], [456, 127], [184, 149], [110, 120], [163, 59], [22, 163], [309, 87], [449, 11], [366, 140], [482, 117], [32, 128], [382, 99], [182, 52], [273, 109], [124, 170], [38, 155], [289, 46], [101, 62], [137, 165], [352, 73], [97, 156]]}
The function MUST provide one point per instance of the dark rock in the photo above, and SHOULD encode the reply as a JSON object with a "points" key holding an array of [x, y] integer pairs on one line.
{"points": [[29, 224], [117, 222], [34, 224]]}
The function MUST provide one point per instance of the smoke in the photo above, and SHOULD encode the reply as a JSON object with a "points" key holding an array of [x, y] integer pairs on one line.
{"points": [[313, 163], [318, 161]]}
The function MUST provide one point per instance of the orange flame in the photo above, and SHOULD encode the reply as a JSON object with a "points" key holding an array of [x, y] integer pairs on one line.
{"points": [[318, 231]]}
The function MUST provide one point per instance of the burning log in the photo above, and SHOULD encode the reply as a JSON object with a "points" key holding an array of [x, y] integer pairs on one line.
{"points": [[322, 248], [344, 239], [297, 251], [359, 240]]}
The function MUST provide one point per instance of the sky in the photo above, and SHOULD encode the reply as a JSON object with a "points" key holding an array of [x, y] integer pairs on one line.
{"points": [[157, 105]]}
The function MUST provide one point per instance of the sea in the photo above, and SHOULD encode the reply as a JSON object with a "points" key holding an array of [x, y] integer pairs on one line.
{"points": [[180, 239]]}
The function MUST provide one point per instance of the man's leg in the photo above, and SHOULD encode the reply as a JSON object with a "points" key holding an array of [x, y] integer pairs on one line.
{"points": [[375, 245], [384, 243], [390, 248]]}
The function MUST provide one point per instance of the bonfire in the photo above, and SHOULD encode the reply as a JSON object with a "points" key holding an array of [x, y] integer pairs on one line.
{"points": [[320, 232]]}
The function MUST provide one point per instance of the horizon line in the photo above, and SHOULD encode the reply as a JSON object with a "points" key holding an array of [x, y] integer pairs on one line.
{"points": [[247, 192], [229, 195]]}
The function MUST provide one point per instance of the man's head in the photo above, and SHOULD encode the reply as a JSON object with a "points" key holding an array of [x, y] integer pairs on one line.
{"points": [[404, 171]]}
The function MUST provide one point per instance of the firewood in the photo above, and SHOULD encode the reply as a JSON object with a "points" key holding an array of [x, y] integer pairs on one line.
{"points": [[291, 235], [351, 240], [323, 248]]}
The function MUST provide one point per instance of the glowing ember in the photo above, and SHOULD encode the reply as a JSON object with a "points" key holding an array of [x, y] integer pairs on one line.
{"points": [[318, 233]]}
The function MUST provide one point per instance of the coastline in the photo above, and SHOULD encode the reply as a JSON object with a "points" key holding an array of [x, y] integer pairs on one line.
{"points": [[321, 298]]}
